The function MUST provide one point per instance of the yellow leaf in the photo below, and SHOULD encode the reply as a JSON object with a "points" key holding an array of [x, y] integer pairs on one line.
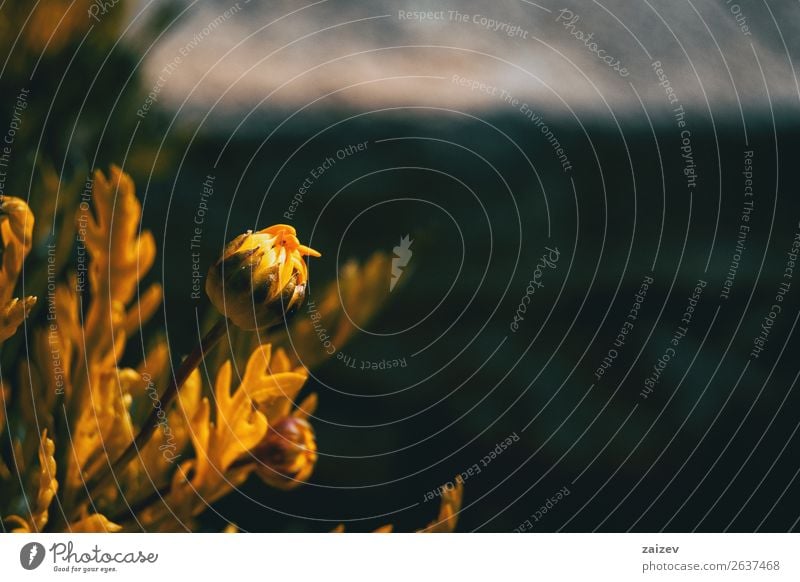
{"points": [[349, 301], [158, 457], [13, 314], [144, 309], [239, 427], [16, 231], [240, 421], [104, 428], [95, 523], [448, 511], [4, 403], [48, 487], [273, 393], [120, 256]]}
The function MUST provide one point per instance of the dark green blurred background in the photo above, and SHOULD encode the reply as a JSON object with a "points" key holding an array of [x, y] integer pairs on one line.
{"points": [[710, 441]]}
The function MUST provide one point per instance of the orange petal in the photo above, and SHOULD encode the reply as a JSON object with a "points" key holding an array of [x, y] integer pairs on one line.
{"points": [[308, 251], [278, 229], [286, 271]]}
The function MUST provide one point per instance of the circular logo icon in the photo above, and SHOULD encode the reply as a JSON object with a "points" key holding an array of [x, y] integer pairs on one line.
{"points": [[31, 555]]}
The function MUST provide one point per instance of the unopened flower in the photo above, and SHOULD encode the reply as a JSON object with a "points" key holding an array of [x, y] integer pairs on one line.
{"points": [[287, 455], [261, 277]]}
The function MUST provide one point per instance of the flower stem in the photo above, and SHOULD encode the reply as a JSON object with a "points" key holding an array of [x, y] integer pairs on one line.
{"points": [[189, 364]]}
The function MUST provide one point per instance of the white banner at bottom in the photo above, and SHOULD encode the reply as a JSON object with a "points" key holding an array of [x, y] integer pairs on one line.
{"points": [[369, 557]]}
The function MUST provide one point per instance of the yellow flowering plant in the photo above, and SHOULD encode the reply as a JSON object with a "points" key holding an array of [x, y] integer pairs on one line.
{"points": [[91, 446]]}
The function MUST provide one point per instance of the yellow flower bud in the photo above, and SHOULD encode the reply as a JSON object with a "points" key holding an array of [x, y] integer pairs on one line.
{"points": [[287, 454], [261, 277]]}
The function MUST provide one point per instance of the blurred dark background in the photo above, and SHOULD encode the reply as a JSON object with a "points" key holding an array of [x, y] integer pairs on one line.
{"points": [[477, 186]]}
